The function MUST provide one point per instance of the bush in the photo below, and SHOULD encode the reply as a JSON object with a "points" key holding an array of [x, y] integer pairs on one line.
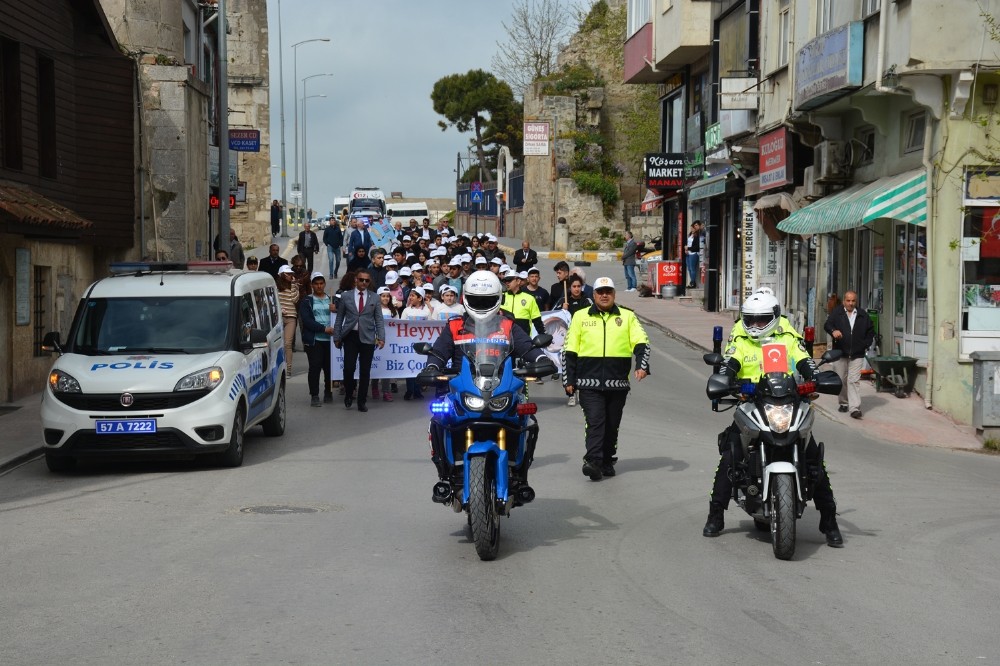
{"points": [[618, 242], [591, 245], [604, 231], [600, 186]]}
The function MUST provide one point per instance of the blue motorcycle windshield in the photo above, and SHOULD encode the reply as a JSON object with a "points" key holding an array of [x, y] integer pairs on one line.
{"points": [[487, 348]]}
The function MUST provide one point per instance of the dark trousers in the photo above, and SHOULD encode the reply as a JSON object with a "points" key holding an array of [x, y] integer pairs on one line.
{"points": [[603, 412], [309, 257], [319, 361], [722, 489], [355, 353]]}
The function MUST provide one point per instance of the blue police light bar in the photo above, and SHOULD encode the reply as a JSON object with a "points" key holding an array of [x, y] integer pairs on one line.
{"points": [[717, 334], [441, 406], [748, 388], [133, 267]]}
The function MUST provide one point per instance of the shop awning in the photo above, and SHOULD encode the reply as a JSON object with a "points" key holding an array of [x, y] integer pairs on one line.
{"points": [[776, 200], [709, 187], [904, 199], [856, 206]]}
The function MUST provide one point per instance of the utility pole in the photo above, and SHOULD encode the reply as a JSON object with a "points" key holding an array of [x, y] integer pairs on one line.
{"points": [[223, 97], [281, 93]]}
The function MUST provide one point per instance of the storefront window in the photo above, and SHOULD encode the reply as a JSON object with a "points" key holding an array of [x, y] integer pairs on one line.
{"points": [[981, 269], [980, 253]]}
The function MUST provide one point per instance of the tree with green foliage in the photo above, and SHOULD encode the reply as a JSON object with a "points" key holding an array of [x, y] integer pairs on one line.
{"points": [[469, 101]]}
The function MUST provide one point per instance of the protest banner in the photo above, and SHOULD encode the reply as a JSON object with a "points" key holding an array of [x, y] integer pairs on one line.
{"points": [[396, 360]]}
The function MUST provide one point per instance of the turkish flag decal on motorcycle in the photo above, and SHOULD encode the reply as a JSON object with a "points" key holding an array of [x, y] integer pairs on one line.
{"points": [[775, 358]]}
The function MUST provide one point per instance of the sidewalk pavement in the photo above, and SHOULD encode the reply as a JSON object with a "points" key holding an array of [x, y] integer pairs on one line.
{"points": [[904, 421]]}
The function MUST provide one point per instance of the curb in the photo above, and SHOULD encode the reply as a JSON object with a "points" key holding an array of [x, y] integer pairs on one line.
{"points": [[569, 256], [20, 458]]}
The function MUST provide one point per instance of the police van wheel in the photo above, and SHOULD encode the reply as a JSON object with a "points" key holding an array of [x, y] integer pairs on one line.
{"points": [[274, 425], [233, 456], [57, 463]]}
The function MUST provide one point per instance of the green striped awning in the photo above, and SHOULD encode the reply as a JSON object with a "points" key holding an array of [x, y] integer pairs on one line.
{"points": [[904, 198], [900, 197]]}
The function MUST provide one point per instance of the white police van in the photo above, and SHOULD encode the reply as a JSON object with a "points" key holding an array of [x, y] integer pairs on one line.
{"points": [[166, 360]]}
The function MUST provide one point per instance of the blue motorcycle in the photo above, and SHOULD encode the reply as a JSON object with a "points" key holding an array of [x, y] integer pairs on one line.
{"points": [[483, 433]]}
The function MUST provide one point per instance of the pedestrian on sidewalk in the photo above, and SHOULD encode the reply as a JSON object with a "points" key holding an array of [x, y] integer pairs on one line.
{"points": [[525, 258], [275, 218], [307, 245], [695, 241], [600, 342], [853, 333], [628, 261]]}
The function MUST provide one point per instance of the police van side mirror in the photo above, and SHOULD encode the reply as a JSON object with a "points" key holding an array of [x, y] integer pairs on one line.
{"points": [[50, 342], [258, 340]]}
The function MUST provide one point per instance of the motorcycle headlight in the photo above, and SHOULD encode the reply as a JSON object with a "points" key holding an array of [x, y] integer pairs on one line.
{"points": [[203, 380], [779, 417], [500, 402], [60, 382], [473, 402]]}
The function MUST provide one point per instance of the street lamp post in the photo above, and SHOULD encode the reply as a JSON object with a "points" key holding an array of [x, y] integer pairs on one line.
{"points": [[281, 93], [295, 73], [305, 165]]}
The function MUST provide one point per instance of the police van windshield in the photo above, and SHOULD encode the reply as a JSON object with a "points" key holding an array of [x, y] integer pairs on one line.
{"points": [[166, 325]]}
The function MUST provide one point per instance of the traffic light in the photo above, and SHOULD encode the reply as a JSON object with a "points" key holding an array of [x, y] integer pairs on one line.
{"points": [[213, 200]]}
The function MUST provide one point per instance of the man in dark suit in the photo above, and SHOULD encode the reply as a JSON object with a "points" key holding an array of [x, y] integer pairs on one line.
{"points": [[273, 261], [358, 329], [360, 237], [525, 258], [308, 246]]}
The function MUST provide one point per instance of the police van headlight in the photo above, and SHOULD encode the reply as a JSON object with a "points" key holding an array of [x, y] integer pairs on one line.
{"points": [[60, 382], [473, 402], [203, 380]]}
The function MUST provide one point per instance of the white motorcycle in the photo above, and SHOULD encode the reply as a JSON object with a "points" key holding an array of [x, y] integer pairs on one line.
{"points": [[774, 473]]}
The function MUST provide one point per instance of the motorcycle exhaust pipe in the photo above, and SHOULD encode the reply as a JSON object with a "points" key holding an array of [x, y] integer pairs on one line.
{"points": [[526, 494], [442, 493]]}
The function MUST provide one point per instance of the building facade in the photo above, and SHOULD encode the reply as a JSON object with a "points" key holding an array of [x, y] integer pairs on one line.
{"points": [[858, 142]]}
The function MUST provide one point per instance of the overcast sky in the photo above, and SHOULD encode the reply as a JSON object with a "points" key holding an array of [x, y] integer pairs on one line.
{"points": [[376, 126]]}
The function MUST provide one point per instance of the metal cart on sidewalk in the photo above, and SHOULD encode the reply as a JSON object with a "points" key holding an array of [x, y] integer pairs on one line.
{"points": [[897, 374]]}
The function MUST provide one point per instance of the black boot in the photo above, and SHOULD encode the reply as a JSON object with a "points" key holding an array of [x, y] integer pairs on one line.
{"points": [[715, 523], [828, 526]]}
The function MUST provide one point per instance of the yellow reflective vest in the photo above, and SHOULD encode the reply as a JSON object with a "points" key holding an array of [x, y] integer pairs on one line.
{"points": [[599, 346], [746, 351]]}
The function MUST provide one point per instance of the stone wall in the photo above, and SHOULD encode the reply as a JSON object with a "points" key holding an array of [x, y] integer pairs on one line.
{"points": [[549, 196]]}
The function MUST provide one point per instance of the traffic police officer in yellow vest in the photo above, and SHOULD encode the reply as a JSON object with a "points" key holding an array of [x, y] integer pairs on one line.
{"points": [[521, 305], [761, 318], [596, 359]]}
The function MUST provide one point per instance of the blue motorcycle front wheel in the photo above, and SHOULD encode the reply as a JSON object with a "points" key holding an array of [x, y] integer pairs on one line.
{"points": [[484, 515]]}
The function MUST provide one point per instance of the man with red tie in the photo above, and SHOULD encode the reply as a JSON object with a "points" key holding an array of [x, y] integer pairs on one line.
{"points": [[358, 329]]}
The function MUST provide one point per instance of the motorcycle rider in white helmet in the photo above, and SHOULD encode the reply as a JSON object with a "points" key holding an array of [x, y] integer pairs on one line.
{"points": [[761, 319], [482, 296]]}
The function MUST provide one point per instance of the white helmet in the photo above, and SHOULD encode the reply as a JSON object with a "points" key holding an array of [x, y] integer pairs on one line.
{"points": [[482, 294], [760, 315], [764, 290]]}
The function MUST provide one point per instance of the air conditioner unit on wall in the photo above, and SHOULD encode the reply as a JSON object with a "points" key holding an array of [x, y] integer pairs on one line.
{"points": [[810, 188], [830, 163]]}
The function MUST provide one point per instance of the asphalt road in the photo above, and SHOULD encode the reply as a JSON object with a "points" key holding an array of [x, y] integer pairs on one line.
{"points": [[160, 563]]}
